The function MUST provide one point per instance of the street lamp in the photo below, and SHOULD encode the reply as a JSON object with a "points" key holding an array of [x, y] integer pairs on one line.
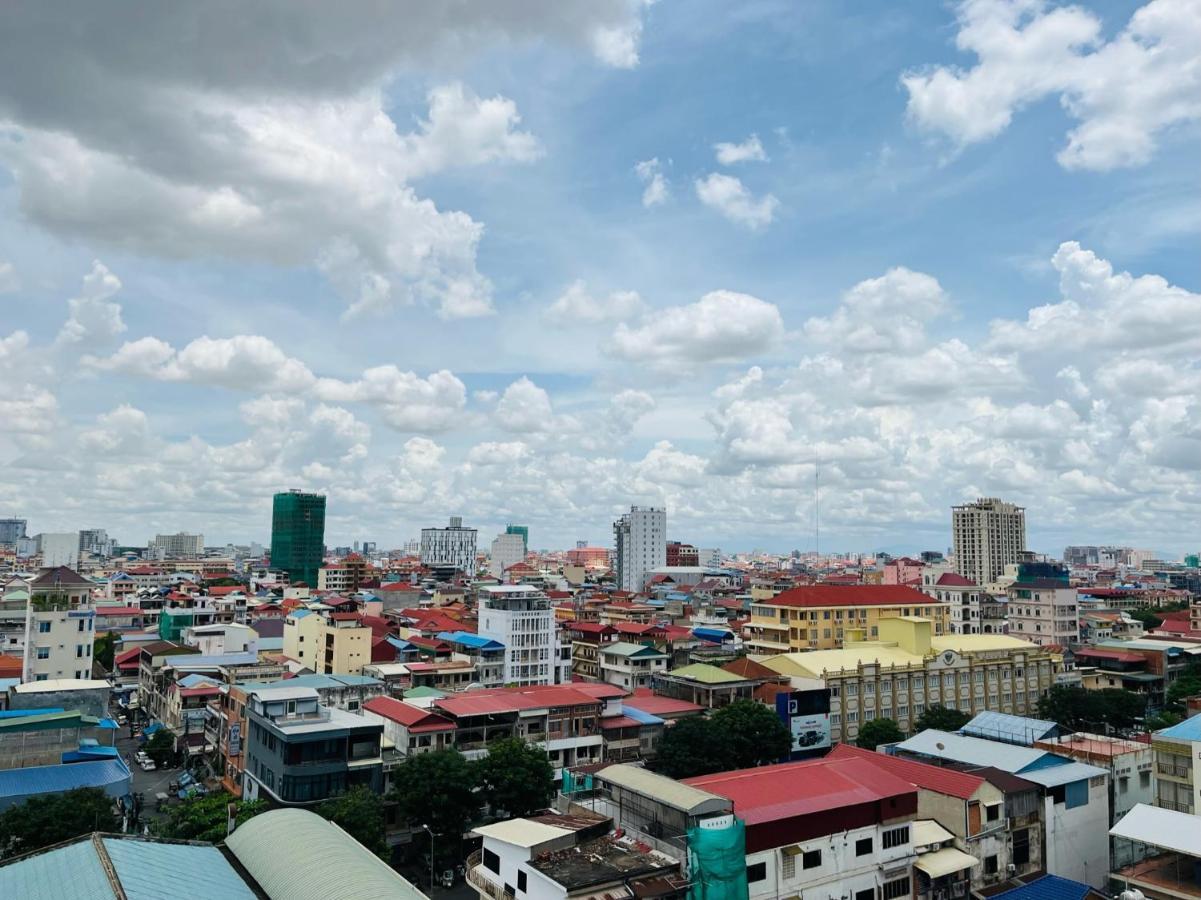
{"points": [[431, 834]]}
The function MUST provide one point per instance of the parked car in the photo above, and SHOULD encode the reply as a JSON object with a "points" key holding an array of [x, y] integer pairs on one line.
{"points": [[148, 765]]}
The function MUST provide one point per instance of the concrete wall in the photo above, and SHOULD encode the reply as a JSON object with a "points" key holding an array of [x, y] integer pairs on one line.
{"points": [[89, 701]]}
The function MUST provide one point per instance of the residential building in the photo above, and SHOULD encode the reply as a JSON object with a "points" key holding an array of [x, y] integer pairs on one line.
{"points": [[822, 828], [825, 617], [641, 545], [1107, 668], [988, 535], [96, 542], [60, 628], [682, 554], [630, 666], [410, 729], [300, 752], [520, 617], [333, 643], [903, 570], [588, 557], [962, 594], [180, 545], [12, 530], [704, 685], [59, 549], [344, 576], [1178, 766], [1075, 796], [298, 535], [486, 656], [1043, 606], [508, 550], [1167, 845], [908, 669], [451, 548]]}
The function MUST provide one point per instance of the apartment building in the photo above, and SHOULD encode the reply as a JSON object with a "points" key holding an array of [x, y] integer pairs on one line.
{"points": [[630, 666], [640, 538], [909, 668], [964, 597], [333, 643], [508, 549], [451, 548], [344, 576], [1043, 610], [1178, 766], [410, 729], [520, 617], [824, 617], [176, 546], [59, 627], [987, 536]]}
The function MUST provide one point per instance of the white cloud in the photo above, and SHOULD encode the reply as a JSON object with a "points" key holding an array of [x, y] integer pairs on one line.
{"points": [[750, 150], [577, 306], [93, 319], [650, 173], [721, 326], [730, 197], [406, 401], [524, 408], [626, 408], [882, 314], [9, 282], [1122, 92]]}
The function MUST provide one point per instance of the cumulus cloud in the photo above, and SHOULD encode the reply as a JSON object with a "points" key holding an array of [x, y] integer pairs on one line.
{"points": [[1123, 93], [577, 305], [722, 326], [9, 282], [730, 197], [291, 160], [93, 319], [650, 173], [524, 408], [406, 401], [750, 150]]}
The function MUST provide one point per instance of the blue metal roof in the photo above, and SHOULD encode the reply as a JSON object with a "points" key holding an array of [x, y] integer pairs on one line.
{"points": [[1188, 730], [718, 635], [149, 870], [72, 872], [470, 639], [996, 726], [642, 718], [299, 613], [84, 754], [20, 783], [1049, 887], [194, 679], [22, 713]]}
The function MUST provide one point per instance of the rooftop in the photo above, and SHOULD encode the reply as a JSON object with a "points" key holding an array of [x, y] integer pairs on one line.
{"points": [[1009, 728], [675, 794], [1188, 730], [600, 861], [951, 782], [658, 705], [1049, 887], [414, 718], [822, 595], [705, 674]]}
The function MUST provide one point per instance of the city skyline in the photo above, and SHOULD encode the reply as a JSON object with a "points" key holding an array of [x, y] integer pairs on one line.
{"points": [[593, 258]]}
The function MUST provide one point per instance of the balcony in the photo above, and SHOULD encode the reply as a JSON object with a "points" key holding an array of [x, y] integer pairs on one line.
{"points": [[1172, 771], [477, 878]]}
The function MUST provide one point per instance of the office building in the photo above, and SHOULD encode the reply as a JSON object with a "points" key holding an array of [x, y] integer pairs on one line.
{"points": [[641, 545], [59, 549], [508, 550], [988, 535], [12, 530], [520, 617], [451, 548], [96, 542], [180, 545], [298, 535]]}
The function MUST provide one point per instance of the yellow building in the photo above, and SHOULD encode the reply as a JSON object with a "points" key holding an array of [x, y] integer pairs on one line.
{"points": [[909, 668], [337, 644], [825, 616]]}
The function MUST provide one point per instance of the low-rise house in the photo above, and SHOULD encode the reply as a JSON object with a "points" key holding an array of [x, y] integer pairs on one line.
{"points": [[1167, 847], [705, 685], [669, 709], [486, 654], [1108, 668], [630, 666], [1178, 766], [410, 729]]}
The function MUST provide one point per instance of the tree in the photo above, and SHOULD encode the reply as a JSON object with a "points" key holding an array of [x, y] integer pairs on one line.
{"points": [[50, 818], [754, 733], [104, 650], [515, 777], [436, 789], [877, 732], [941, 718], [1187, 684], [360, 813], [205, 818], [693, 746], [1078, 709], [161, 747]]}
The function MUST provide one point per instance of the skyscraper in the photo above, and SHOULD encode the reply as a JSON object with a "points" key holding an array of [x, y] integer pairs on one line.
{"points": [[11, 530], [298, 535], [524, 531], [452, 547], [641, 538], [989, 535]]}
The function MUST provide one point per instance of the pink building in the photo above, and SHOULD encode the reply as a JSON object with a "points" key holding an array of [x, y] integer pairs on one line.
{"points": [[903, 571]]}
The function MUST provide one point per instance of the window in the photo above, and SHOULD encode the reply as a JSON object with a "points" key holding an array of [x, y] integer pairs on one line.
{"points": [[43, 652], [788, 866], [895, 889], [1123, 784], [43, 627], [992, 813], [521, 882], [866, 894], [756, 872], [81, 624], [990, 865], [1144, 779], [863, 846], [1021, 847], [491, 861], [895, 837], [811, 859]]}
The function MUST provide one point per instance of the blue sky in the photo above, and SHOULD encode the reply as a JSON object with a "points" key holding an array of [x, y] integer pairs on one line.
{"points": [[417, 192]]}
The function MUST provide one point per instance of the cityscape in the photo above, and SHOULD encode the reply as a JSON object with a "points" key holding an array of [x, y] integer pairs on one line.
{"points": [[600, 450]]}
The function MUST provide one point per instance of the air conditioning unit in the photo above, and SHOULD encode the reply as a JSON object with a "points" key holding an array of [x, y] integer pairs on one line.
{"points": [[1011, 869]]}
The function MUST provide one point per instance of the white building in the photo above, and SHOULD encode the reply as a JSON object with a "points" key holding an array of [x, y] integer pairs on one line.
{"points": [[709, 557], [1044, 611], [96, 542], [60, 626], [450, 547], [180, 544], [59, 549], [988, 535], [507, 550], [641, 539], [521, 618], [962, 593]]}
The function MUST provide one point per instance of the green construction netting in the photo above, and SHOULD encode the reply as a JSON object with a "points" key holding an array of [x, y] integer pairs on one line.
{"points": [[717, 859], [576, 782]]}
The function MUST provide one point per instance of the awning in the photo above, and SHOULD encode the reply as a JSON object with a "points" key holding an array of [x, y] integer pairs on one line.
{"points": [[944, 862], [791, 851], [927, 832]]}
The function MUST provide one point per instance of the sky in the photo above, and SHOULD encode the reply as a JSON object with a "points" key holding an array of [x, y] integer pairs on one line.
{"points": [[537, 260]]}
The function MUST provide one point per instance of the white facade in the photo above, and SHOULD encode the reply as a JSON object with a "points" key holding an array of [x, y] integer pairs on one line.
{"points": [[453, 546], [181, 544], [59, 549], [507, 550], [58, 644], [709, 557], [1078, 838], [1044, 613], [521, 618], [641, 539], [988, 535]]}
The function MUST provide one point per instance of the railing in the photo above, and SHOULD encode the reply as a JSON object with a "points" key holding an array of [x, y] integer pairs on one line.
{"points": [[482, 883], [1174, 771]]}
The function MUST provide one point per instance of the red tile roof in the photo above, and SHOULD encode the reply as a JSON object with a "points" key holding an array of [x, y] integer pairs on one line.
{"points": [[638, 628], [656, 705], [345, 617], [818, 595], [614, 722], [128, 658], [500, 700], [954, 579], [588, 627], [599, 690], [1115, 655], [399, 586], [748, 668], [931, 778], [414, 718], [789, 790]]}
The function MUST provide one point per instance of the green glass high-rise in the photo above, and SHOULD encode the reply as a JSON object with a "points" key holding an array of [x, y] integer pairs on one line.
{"points": [[298, 535], [524, 531]]}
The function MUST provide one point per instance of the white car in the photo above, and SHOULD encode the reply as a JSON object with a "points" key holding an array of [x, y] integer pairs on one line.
{"points": [[147, 765]]}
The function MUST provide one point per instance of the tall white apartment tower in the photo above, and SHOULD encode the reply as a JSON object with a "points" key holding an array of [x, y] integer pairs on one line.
{"points": [[507, 550], [521, 618], [989, 535], [449, 547], [641, 537]]}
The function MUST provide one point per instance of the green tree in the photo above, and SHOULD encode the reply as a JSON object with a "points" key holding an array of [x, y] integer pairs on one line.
{"points": [[50, 818], [1187, 684], [1078, 709], [753, 732], [436, 789], [360, 813], [204, 818], [161, 747], [104, 650], [515, 777], [693, 746], [941, 718], [877, 732]]}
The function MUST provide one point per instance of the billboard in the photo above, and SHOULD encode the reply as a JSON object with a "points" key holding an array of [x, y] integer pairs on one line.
{"points": [[807, 716]]}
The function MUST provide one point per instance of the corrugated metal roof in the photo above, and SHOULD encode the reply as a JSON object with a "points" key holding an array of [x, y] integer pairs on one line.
{"points": [[705, 674], [149, 870], [1054, 776], [1188, 730], [276, 848], [57, 779], [999, 726], [72, 872], [668, 791], [932, 778], [521, 832], [1049, 887], [642, 718], [1007, 757], [1163, 828]]}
